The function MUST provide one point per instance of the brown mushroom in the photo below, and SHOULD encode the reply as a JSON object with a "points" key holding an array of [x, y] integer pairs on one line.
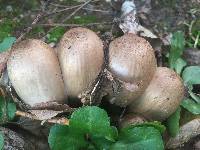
{"points": [[34, 72], [162, 97], [132, 61], [80, 53]]}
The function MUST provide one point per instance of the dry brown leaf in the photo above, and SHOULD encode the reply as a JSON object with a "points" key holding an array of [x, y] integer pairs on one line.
{"points": [[45, 114]]}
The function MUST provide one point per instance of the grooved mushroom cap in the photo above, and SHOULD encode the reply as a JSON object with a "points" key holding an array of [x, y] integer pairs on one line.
{"points": [[132, 60], [162, 97], [80, 53], [34, 71]]}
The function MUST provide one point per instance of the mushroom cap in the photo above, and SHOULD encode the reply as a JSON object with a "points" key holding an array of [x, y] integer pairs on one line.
{"points": [[162, 97], [131, 60], [81, 57], [34, 72]]}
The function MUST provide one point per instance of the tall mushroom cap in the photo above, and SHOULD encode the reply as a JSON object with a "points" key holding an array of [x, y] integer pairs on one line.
{"points": [[34, 71], [162, 97], [80, 53], [131, 60]]}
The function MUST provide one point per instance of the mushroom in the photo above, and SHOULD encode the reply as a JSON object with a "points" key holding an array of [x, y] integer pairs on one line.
{"points": [[132, 61], [34, 71], [80, 53], [131, 119], [162, 97]]}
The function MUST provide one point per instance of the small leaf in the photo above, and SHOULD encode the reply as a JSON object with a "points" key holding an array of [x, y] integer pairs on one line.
{"points": [[191, 75], [11, 109], [191, 106], [7, 43], [155, 124], [173, 122], [179, 65], [91, 120], [62, 138], [139, 138], [7, 110], [177, 47], [1, 141]]}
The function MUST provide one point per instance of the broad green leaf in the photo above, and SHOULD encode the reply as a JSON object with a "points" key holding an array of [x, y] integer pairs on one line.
{"points": [[92, 120], [177, 47], [191, 75], [7, 43], [62, 138], [101, 143], [1, 141], [191, 106], [154, 124], [173, 122], [139, 138], [7, 110], [179, 65], [11, 109]]}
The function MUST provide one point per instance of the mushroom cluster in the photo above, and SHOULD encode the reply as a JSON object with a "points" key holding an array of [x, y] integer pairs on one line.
{"points": [[39, 74]]}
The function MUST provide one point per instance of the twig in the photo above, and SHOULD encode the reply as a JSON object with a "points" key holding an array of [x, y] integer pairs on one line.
{"points": [[62, 121], [62, 10], [79, 8], [37, 18], [74, 25], [68, 8], [28, 29]]}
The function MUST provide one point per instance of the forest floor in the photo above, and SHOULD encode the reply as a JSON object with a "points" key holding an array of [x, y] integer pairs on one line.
{"points": [[161, 17]]}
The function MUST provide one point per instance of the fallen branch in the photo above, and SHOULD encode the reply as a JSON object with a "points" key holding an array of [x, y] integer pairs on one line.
{"points": [[37, 18], [76, 10], [62, 121]]}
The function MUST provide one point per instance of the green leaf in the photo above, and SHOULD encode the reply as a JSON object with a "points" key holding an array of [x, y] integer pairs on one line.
{"points": [[91, 120], [177, 47], [139, 138], [7, 43], [62, 138], [89, 125], [155, 124], [101, 143], [173, 122], [191, 106], [191, 75], [7, 110], [1, 141], [179, 65], [11, 109], [194, 96]]}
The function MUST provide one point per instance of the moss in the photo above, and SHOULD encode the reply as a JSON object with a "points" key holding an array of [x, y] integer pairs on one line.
{"points": [[37, 31], [55, 34], [7, 27], [83, 19]]}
